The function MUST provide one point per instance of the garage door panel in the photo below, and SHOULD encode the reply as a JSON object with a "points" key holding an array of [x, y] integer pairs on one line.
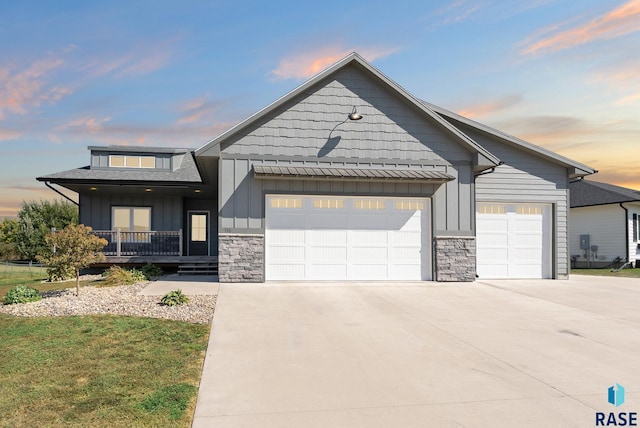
{"points": [[326, 220], [292, 253], [369, 271], [287, 220], [288, 237], [289, 271], [327, 254], [364, 255], [326, 237], [492, 240], [326, 271], [513, 241], [369, 238], [348, 238], [367, 222]]}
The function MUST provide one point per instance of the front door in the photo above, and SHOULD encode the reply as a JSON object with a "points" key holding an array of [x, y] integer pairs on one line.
{"points": [[198, 231]]}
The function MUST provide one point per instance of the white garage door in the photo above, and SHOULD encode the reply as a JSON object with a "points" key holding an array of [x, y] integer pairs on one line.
{"points": [[346, 238], [513, 240]]}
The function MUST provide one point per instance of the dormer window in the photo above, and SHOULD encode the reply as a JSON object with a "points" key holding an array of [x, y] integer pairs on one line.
{"points": [[132, 161]]}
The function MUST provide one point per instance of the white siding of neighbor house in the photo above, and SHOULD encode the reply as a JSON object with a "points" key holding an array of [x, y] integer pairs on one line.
{"points": [[605, 225], [527, 178], [634, 249]]}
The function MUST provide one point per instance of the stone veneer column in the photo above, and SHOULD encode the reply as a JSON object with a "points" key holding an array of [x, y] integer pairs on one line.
{"points": [[455, 258], [240, 258]]}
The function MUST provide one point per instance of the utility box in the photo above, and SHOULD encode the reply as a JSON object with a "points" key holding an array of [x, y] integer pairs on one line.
{"points": [[584, 242]]}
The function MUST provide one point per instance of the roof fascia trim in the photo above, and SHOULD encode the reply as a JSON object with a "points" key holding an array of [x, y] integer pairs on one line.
{"points": [[353, 57], [580, 169]]}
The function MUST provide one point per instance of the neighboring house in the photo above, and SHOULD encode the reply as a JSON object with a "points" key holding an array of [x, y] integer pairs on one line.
{"points": [[604, 224], [350, 177]]}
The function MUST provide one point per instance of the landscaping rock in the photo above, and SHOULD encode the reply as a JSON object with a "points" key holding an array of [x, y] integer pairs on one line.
{"points": [[122, 300]]}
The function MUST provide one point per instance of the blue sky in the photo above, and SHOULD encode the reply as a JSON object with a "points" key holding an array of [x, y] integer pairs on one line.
{"points": [[561, 74]]}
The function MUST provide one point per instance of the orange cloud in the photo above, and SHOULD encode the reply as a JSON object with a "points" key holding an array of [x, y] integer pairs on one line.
{"points": [[140, 61], [489, 107], [629, 99], [308, 64], [618, 22], [8, 134], [92, 125], [28, 88]]}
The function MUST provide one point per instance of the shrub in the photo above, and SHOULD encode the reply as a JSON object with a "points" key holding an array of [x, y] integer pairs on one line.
{"points": [[150, 271], [22, 294], [173, 298], [117, 275]]}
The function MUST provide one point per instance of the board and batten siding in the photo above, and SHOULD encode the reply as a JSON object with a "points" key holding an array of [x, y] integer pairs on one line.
{"points": [[312, 128], [95, 209], [242, 196], [313, 125], [527, 178], [605, 225]]}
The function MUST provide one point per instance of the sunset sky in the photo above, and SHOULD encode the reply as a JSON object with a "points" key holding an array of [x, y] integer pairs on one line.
{"points": [[561, 74]]}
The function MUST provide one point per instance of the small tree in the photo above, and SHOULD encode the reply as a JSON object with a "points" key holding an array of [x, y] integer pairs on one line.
{"points": [[72, 249]]}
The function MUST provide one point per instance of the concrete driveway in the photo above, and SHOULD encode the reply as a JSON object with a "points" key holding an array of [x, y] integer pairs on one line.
{"points": [[486, 354]]}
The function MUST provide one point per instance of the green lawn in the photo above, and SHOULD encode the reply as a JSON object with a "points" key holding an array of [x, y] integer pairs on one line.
{"points": [[10, 276], [626, 273], [99, 371]]}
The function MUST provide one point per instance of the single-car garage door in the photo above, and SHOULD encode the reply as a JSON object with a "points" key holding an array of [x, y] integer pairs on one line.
{"points": [[346, 238], [513, 240]]}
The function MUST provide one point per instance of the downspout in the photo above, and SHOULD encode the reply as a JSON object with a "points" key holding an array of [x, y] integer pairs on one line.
{"points": [[46, 183], [475, 230], [626, 229]]}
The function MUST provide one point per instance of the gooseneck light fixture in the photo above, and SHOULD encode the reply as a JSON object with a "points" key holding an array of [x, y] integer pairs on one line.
{"points": [[354, 114]]}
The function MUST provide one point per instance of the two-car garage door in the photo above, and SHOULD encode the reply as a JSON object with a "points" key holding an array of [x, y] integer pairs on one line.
{"points": [[347, 238], [513, 240]]}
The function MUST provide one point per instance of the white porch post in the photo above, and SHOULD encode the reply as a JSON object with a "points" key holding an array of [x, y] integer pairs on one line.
{"points": [[180, 240], [118, 243]]}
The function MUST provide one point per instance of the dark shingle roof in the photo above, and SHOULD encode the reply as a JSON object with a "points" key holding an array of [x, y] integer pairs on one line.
{"points": [[186, 173], [586, 193]]}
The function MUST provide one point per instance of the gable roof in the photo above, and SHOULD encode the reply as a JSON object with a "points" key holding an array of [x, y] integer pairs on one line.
{"points": [[213, 146], [588, 193], [580, 169]]}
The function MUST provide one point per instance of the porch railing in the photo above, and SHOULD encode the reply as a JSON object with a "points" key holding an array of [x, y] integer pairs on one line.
{"points": [[151, 243]]}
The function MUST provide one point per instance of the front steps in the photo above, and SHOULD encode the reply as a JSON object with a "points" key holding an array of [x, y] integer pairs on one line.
{"points": [[198, 268]]}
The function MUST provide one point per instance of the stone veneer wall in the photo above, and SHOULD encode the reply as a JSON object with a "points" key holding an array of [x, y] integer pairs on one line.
{"points": [[241, 258], [455, 258]]}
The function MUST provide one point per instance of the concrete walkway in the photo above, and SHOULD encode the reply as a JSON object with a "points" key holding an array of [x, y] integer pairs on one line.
{"points": [[190, 285], [485, 354]]}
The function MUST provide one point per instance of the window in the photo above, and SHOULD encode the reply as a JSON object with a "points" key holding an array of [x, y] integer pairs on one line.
{"points": [[407, 205], [328, 203], [132, 219], [199, 227], [528, 209], [129, 161], [491, 209], [635, 225], [369, 204], [286, 203]]}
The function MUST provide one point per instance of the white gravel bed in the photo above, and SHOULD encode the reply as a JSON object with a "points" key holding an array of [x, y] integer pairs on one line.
{"points": [[122, 300]]}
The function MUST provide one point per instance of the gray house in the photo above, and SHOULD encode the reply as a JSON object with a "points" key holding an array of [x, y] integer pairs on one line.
{"points": [[605, 224], [347, 177]]}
